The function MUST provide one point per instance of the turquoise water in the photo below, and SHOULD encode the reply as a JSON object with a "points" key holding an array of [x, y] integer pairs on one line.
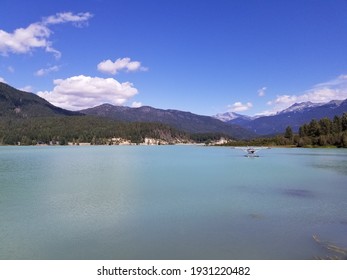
{"points": [[170, 202]]}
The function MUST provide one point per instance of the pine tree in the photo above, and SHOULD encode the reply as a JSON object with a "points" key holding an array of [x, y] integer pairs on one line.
{"points": [[288, 133]]}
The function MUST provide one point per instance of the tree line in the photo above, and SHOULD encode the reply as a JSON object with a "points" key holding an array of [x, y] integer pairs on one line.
{"points": [[323, 132], [81, 129], [316, 133], [90, 129], [96, 130]]}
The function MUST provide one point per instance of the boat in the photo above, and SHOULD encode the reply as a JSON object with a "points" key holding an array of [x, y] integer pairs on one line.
{"points": [[251, 152]]}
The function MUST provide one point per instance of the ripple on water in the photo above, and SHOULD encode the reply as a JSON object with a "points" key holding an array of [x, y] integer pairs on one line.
{"points": [[298, 193]]}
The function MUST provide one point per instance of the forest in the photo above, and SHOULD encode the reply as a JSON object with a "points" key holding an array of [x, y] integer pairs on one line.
{"points": [[317, 133], [81, 129], [99, 131]]}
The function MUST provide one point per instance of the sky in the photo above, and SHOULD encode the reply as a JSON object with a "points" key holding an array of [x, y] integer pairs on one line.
{"points": [[205, 56]]}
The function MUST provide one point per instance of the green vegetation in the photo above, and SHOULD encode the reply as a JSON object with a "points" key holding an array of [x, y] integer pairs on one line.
{"points": [[78, 129], [316, 133], [207, 138], [19, 104], [27, 119], [324, 132], [96, 130], [89, 129]]}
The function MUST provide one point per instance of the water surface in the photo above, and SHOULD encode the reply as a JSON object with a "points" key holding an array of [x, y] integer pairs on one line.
{"points": [[171, 202]]}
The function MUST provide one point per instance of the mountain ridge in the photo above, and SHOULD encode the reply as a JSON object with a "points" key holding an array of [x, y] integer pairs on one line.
{"points": [[293, 116], [296, 107], [228, 116], [22, 104], [185, 121], [17, 104]]}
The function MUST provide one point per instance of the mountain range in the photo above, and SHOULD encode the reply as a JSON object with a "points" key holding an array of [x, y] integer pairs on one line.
{"points": [[294, 116], [24, 105], [181, 120]]}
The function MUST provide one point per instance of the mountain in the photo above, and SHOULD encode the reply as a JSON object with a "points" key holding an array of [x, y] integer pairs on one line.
{"points": [[21, 104], [228, 116], [298, 107], [184, 121], [234, 118], [294, 116], [24, 105]]}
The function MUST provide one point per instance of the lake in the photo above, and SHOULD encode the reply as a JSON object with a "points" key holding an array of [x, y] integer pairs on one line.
{"points": [[171, 202]]}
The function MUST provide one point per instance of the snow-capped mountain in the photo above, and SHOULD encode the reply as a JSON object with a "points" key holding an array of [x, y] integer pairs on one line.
{"points": [[294, 116], [228, 116], [298, 107]]}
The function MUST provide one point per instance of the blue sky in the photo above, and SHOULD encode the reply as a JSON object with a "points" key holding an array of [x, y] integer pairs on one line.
{"points": [[206, 57]]}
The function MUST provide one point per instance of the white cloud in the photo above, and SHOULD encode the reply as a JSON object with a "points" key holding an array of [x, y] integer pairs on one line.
{"points": [[79, 19], [2, 80], [46, 71], [107, 66], [261, 91], [136, 104], [335, 89], [80, 92], [27, 88], [36, 35], [10, 69], [23, 40], [240, 107], [283, 99]]}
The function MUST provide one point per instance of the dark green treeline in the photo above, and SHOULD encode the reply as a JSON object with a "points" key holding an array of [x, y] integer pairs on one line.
{"points": [[317, 133], [78, 129]]}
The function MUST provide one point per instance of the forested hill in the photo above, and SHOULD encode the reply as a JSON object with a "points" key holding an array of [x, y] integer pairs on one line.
{"points": [[316, 133], [16, 104], [28, 119], [185, 121], [20, 104], [83, 129]]}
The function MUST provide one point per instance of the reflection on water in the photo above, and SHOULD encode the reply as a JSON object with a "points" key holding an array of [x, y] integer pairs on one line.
{"points": [[171, 202]]}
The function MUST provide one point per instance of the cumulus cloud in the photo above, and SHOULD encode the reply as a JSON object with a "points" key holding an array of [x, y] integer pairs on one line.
{"points": [[121, 64], [80, 92], [46, 71], [261, 91], [2, 80], [23, 40], [36, 35], [335, 89], [240, 107]]}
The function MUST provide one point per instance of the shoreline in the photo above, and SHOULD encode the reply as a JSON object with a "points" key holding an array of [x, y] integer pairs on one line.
{"points": [[85, 144]]}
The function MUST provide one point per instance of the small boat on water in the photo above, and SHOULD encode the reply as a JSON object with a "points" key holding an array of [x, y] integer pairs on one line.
{"points": [[251, 151]]}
